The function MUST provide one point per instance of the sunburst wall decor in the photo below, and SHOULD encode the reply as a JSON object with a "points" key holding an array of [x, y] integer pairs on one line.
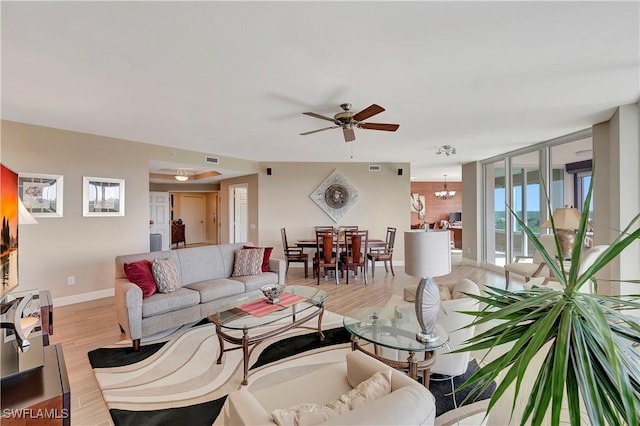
{"points": [[335, 196]]}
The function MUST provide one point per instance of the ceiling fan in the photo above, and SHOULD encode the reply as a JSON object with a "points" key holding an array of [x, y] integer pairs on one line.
{"points": [[349, 120]]}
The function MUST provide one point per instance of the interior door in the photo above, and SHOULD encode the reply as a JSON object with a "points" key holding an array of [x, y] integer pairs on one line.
{"points": [[239, 213], [159, 217], [193, 216]]}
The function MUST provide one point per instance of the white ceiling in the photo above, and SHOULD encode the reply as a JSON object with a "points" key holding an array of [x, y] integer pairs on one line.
{"points": [[232, 78]]}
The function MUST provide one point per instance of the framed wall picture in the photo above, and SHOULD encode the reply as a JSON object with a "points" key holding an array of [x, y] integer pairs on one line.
{"points": [[102, 196], [418, 205], [41, 194]]}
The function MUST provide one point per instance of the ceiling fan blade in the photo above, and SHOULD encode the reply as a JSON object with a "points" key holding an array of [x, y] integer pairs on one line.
{"points": [[319, 130], [379, 126], [322, 117], [349, 134], [368, 112]]}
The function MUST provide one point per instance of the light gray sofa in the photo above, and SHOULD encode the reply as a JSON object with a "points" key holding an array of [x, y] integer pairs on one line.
{"points": [[206, 282]]}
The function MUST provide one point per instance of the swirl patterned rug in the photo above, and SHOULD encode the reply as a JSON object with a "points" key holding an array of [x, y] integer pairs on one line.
{"points": [[174, 379]]}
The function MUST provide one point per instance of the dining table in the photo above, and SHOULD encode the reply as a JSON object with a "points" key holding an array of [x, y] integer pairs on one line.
{"points": [[372, 243]]}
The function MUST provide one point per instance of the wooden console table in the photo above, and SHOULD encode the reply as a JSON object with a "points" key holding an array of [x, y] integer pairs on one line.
{"points": [[177, 235]]}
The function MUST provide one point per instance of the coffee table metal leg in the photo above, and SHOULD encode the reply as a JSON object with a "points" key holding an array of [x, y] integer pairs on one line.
{"points": [[245, 354], [221, 342], [413, 365], [320, 324]]}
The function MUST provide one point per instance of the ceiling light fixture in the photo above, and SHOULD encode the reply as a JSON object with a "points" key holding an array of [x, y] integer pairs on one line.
{"points": [[182, 175], [446, 194], [446, 149]]}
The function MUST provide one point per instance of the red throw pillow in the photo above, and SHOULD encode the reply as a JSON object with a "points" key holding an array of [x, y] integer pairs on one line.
{"points": [[265, 259], [140, 274]]}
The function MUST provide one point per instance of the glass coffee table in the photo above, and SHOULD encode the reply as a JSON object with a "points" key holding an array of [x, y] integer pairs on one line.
{"points": [[307, 303], [395, 329]]}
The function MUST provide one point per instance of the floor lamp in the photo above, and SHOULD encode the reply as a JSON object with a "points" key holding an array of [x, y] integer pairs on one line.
{"points": [[427, 255]]}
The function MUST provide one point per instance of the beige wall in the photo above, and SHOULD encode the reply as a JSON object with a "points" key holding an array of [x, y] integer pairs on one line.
{"points": [[251, 182], [471, 212], [285, 203], [85, 247]]}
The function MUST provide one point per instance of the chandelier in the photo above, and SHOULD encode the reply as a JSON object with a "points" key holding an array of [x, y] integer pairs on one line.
{"points": [[446, 194], [446, 149], [182, 175]]}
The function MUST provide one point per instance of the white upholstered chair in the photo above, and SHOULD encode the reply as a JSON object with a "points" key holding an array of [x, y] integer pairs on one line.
{"points": [[528, 266], [408, 403]]}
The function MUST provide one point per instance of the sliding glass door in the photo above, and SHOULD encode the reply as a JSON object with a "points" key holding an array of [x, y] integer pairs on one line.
{"points": [[561, 167]]}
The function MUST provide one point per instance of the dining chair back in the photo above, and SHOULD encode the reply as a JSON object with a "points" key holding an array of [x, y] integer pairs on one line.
{"points": [[356, 248], [327, 249], [294, 254], [383, 254]]}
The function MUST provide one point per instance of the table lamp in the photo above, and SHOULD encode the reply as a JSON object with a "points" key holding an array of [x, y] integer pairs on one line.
{"points": [[427, 255], [566, 221]]}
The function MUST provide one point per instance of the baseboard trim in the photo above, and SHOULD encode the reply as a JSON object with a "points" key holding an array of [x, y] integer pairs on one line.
{"points": [[84, 297]]}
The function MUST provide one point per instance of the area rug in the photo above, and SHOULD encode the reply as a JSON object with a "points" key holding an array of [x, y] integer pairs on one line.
{"points": [[174, 379]]}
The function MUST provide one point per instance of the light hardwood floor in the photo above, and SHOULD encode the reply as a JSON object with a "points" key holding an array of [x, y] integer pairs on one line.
{"points": [[83, 327]]}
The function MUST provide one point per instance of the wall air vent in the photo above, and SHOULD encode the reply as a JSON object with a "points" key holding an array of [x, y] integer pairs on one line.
{"points": [[211, 160], [374, 167]]}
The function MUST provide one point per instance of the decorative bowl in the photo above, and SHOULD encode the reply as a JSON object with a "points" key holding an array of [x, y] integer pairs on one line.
{"points": [[272, 292]]}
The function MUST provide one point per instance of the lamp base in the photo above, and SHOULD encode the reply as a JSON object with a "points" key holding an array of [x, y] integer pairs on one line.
{"points": [[427, 309], [566, 238], [426, 337]]}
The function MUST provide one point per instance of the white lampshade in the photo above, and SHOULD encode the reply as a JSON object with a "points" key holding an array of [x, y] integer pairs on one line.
{"points": [[427, 254], [182, 175]]}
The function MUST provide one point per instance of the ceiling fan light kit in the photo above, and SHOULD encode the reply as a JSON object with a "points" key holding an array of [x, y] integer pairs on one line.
{"points": [[446, 149], [347, 120]]}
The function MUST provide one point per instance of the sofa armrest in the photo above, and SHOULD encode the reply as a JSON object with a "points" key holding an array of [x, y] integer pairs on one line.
{"points": [[278, 266], [128, 301], [244, 409]]}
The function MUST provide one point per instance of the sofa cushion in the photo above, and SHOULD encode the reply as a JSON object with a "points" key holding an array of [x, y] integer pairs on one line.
{"points": [[140, 274], [161, 303], [248, 262], [369, 390], [254, 282], [166, 274], [265, 258], [201, 264], [217, 289]]}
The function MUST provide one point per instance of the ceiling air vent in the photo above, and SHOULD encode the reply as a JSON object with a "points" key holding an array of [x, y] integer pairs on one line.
{"points": [[374, 167], [211, 160]]}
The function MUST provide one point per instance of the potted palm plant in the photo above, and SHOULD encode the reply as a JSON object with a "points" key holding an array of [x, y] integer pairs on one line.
{"points": [[588, 343]]}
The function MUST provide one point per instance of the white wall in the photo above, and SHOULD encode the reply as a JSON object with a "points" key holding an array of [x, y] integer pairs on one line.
{"points": [[285, 203], [85, 247]]}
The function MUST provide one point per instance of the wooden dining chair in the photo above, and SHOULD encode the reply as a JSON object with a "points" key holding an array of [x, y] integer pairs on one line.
{"points": [[294, 254], [326, 258], [383, 254], [356, 248]]}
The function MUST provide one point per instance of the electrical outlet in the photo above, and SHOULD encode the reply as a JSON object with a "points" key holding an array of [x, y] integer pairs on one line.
{"points": [[71, 280]]}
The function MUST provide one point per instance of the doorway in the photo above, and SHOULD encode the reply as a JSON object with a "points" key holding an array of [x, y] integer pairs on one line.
{"points": [[238, 212], [199, 212]]}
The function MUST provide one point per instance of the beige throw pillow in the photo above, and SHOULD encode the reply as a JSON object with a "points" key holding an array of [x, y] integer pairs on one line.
{"points": [[166, 275], [371, 389], [248, 262], [445, 294]]}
